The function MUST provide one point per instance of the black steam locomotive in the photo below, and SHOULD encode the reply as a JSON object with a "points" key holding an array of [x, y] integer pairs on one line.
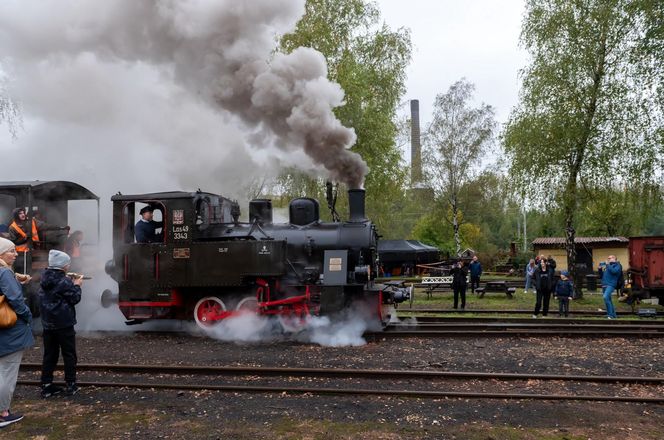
{"points": [[209, 266]]}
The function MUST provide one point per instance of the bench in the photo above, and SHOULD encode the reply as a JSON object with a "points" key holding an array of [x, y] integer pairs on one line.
{"points": [[497, 287], [432, 284]]}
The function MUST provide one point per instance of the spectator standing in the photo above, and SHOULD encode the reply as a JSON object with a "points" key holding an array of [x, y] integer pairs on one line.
{"points": [[59, 294], [550, 262], [15, 339], [475, 273], [543, 284], [530, 273], [564, 291], [609, 283], [459, 284]]}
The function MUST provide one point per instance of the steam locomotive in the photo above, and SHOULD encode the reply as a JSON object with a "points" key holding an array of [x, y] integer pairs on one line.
{"points": [[210, 266]]}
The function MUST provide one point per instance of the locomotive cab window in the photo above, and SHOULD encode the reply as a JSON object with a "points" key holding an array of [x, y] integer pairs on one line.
{"points": [[208, 212], [144, 222]]}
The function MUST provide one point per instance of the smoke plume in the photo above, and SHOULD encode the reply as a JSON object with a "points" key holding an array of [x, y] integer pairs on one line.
{"points": [[146, 96], [70, 58]]}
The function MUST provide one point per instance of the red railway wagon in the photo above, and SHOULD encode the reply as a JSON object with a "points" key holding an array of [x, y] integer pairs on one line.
{"points": [[646, 266]]}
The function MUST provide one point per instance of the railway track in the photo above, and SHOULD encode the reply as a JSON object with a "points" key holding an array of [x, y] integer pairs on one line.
{"points": [[179, 378], [512, 320], [404, 310], [531, 328]]}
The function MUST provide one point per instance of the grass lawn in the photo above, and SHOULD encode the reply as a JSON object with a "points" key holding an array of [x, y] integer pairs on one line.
{"points": [[591, 301]]}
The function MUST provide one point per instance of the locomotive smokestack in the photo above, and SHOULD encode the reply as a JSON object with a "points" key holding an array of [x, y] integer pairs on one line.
{"points": [[356, 205], [415, 146]]}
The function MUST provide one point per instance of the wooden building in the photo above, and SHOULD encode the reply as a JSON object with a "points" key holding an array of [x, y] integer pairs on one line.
{"points": [[590, 251]]}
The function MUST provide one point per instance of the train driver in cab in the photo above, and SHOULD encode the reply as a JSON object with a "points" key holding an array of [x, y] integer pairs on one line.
{"points": [[146, 227]]}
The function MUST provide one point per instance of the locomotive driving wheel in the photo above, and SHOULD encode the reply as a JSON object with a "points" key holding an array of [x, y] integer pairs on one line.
{"points": [[206, 311], [247, 304], [293, 321]]}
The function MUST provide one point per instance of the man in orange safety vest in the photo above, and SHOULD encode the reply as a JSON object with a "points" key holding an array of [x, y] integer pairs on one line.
{"points": [[24, 233]]}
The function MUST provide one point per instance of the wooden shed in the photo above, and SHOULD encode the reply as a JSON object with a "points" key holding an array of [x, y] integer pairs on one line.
{"points": [[590, 251]]}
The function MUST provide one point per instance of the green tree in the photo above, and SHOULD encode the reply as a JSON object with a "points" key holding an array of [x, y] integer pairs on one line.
{"points": [[455, 143], [588, 111], [368, 60], [430, 230]]}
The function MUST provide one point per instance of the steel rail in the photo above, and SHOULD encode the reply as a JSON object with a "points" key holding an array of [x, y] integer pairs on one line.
{"points": [[541, 320], [362, 392], [532, 324], [348, 372], [509, 311], [512, 332]]}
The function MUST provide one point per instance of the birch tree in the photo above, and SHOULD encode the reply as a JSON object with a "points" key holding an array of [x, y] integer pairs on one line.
{"points": [[588, 115], [455, 143]]}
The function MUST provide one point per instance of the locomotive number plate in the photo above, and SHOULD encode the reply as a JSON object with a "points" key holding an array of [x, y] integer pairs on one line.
{"points": [[180, 232], [181, 253]]}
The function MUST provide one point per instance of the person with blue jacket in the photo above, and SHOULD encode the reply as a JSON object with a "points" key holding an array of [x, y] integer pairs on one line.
{"points": [[475, 268], [564, 291], [15, 339], [610, 278], [58, 295]]}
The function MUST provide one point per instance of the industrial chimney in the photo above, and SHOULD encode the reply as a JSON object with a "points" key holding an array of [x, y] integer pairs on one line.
{"points": [[415, 146]]}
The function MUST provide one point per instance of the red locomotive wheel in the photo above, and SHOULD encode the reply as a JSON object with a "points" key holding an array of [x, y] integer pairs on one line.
{"points": [[206, 311], [293, 322], [248, 304]]}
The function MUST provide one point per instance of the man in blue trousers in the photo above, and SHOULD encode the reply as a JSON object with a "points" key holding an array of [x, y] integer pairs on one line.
{"points": [[475, 273], [610, 279]]}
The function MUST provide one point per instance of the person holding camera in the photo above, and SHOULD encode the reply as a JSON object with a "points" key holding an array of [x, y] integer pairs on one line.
{"points": [[459, 284], [612, 272], [543, 285], [59, 295]]}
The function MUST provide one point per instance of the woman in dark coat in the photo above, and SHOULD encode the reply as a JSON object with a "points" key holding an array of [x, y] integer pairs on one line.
{"points": [[15, 339], [543, 285], [459, 283]]}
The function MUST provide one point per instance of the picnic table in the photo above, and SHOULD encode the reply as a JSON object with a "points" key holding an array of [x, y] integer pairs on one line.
{"points": [[496, 286]]}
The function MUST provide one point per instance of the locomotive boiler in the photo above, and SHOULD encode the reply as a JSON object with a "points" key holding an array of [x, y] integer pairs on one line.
{"points": [[208, 266]]}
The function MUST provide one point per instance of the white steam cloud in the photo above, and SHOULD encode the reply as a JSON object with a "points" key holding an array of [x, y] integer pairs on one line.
{"points": [[165, 72], [157, 95], [342, 330]]}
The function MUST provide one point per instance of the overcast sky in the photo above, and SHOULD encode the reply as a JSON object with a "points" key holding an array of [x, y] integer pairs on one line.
{"points": [[476, 39]]}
